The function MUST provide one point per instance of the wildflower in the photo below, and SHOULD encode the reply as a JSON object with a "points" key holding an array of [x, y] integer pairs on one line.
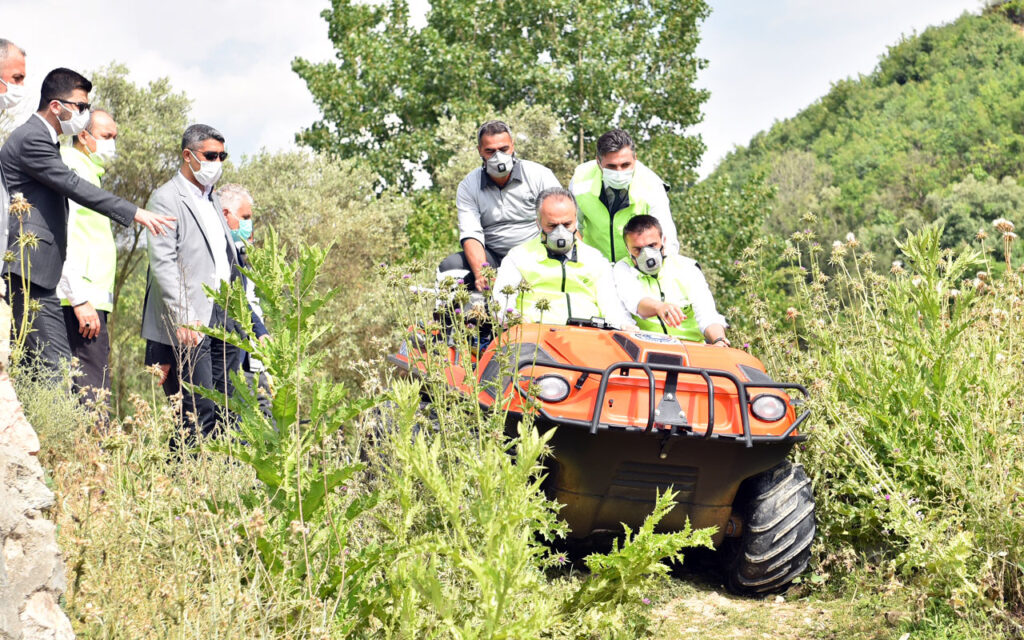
{"points": [[543, 305], [458, 311], [1000, 357], [982, 275], [1009, 236], [746, 345], [485, 264], [954, 293], [981, 235], [560, 559], [919, 516], [897, 267], [645, 600], [406, 276], [792, 313], [917, 281], [888, 497], [8, 257], [460, 281], [1003, 225], [508, 290], [19, 205], [851, 240]]}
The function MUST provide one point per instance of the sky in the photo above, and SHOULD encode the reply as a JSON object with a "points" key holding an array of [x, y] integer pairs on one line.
{"points": [[767, 60]]}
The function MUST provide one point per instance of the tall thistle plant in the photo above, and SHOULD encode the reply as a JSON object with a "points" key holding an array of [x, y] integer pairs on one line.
{"points": [[303, 536]]}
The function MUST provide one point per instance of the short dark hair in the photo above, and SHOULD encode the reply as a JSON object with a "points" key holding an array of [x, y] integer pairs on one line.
{"points": [[612, 141], [59, 85], [555, 192], [641, 223], [197, 133], [490, 128]]}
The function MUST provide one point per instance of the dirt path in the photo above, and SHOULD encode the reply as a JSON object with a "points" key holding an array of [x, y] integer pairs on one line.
{"points": [[692, 608]]}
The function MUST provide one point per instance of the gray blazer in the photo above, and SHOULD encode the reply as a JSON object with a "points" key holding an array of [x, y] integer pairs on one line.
{"points": [[180, 263], [32, 165]]}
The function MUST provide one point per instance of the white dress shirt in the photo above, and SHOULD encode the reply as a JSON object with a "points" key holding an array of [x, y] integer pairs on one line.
{"points": [[210, 219], [631, 291]]}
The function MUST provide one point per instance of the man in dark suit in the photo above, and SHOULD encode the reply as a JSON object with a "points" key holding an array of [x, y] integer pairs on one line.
{"points": [[199, 252], [32, 166]]}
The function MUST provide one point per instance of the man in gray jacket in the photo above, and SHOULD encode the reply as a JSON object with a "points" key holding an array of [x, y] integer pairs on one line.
{"points": [[199, 252]]}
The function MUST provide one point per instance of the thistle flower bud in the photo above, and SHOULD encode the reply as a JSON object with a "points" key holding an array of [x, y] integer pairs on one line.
{"points": [[1003, 225]]}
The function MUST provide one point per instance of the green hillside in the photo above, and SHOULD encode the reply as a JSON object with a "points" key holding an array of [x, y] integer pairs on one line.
{"points": [[933, 134]]}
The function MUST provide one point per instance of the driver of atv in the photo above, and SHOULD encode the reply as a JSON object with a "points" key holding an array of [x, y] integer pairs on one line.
{"points": [[665, 293], [555, 276]]}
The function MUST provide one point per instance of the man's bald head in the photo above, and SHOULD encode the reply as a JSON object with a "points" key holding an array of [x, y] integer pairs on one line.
{"points": [[12, 63], [101, 127]]}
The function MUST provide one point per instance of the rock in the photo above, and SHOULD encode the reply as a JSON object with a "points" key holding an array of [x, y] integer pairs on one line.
{"points": [[31, 568]]}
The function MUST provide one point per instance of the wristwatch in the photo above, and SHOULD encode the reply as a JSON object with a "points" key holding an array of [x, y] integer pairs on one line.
{"points": [[721, 339]]}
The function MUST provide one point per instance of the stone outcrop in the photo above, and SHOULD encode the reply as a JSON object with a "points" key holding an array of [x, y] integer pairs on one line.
{"points": [[31, 568]]}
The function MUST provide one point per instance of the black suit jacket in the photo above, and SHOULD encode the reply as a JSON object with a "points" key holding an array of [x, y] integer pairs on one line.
{"points": [[32, 165]]}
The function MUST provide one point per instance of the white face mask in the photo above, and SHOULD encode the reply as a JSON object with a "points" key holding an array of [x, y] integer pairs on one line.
{"points": [[77, 123], [106, 151], [13, 97], [209, 170], [617, 179]]}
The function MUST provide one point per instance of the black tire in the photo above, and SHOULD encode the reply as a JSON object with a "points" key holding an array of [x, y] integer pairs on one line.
{"points": [[775, 545]]}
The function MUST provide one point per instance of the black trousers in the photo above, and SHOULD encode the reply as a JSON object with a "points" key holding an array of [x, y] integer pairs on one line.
{"points": [[93, 355], [458, 262], [206, 365], [47, 350]]}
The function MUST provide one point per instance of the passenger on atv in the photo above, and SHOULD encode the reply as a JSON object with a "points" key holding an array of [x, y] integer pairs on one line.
{"points": [[665, 293], [555, 277]]}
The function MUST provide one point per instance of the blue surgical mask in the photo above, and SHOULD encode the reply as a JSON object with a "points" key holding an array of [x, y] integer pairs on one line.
{"points": [[243, 232]]}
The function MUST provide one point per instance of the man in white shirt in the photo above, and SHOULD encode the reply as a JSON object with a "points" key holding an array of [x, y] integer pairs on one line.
{"points": [[666, 293], [555, 276]]}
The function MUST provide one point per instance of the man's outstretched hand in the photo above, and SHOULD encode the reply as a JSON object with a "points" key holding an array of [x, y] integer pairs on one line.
{"points": [[155, 222]]}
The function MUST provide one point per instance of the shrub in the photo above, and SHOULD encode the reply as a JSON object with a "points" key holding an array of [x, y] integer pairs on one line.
{"points": [[917, 458]]}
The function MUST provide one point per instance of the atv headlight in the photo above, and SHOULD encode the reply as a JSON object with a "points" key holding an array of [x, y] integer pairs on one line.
{"points": [[552, 388], [768, 408]]}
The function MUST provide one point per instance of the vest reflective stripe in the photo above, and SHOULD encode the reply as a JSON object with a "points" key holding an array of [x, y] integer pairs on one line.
{"points": [[601, 230], [91, 239], [668, 285], [570, 288]]}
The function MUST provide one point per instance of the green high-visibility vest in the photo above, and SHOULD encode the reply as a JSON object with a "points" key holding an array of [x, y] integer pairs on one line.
{"points": [[569, 288], [668, 286], [92, 253], [600, 229]]}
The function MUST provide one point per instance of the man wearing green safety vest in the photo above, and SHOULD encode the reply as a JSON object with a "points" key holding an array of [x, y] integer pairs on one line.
{"points": [[665, 292], [87, 280], [554, 277], [613, 189]]}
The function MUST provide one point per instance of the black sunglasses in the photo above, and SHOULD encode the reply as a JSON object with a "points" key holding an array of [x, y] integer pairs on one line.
{"points": [[213, 155], [82, 106]]}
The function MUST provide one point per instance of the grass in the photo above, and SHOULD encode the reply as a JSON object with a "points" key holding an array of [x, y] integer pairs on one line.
{"points": [[917, 462]]}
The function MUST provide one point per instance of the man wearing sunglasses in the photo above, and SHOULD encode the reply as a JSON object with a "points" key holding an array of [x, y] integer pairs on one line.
{"points": [[38, 238], [200, 251]]}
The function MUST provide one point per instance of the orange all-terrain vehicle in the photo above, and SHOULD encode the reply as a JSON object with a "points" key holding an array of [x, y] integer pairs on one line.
{"points": [[643, 412]]}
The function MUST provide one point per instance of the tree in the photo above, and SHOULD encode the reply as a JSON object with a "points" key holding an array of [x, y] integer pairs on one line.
{"points": [[595, 64]]}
